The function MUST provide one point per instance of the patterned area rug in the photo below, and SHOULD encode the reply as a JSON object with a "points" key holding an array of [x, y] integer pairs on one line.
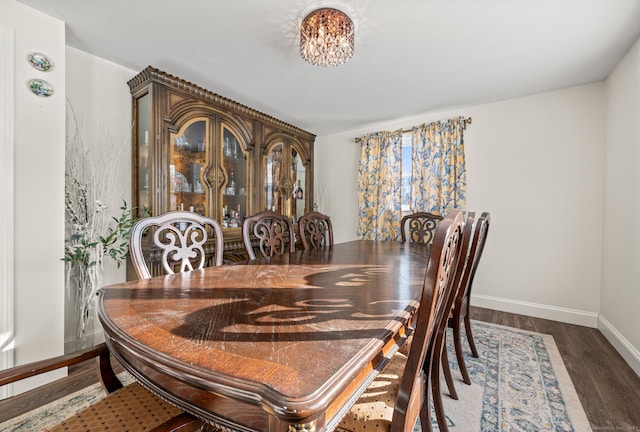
{"points": [[519, 383]]}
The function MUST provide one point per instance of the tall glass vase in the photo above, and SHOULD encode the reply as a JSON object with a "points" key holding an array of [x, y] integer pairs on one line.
{"points": [[84, 308], [83, 282]]}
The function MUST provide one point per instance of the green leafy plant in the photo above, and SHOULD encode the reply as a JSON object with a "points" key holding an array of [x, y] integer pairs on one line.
{"points": [[87, 246]]}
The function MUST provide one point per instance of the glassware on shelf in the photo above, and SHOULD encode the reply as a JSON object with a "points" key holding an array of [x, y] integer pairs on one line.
{"points": [[272, 178], [231, 187], [180, 142], [234, 220], [199, 146], [225, 218], [195, 169], [227, 148], [297, 191], [181, 183]]}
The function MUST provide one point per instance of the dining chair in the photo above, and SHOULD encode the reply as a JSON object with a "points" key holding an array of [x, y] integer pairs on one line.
{"points": [[273, 232], [419, 227], [175, 242], [440, 350], [460, 309], [315, 230], [129, 407], [401, 391]]}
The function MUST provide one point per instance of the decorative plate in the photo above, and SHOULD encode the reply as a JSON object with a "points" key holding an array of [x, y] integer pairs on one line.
{"points": [[40, 61], [40, 87]]}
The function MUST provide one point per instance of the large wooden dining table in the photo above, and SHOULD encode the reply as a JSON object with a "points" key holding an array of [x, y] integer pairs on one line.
{"points": [[285, 343]]}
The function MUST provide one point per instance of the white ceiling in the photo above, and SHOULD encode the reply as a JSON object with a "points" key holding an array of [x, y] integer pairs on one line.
{"points": [[411, 56]]}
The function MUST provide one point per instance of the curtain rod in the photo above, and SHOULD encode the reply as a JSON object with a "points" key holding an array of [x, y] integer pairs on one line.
{"points": [[467, 121]]}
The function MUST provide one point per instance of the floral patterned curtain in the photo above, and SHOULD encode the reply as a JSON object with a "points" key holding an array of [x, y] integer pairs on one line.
{"points": [[380, 186], [439, 178]]}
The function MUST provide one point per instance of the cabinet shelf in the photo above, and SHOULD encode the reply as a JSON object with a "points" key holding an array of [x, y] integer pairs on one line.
{"points": [[188, 193]]}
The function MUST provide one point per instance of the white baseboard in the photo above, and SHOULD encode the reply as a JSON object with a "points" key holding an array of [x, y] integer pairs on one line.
{"points": [[570, 316], [620, 343], [554, 313]]}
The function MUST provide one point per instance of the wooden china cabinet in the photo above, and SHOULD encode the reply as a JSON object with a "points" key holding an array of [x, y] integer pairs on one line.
{"points": [[196, 150]]}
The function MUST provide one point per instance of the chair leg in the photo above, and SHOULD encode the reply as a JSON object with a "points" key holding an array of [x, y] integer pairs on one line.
{"points": [[425, 410], [458, 344], [447, 372], [467, 327], [435, 388]]}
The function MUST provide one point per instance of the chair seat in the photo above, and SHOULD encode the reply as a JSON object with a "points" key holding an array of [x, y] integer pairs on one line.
{"points": [[373, 411], [132, 408]]}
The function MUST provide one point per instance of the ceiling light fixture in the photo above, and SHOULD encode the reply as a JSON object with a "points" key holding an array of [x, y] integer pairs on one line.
{"points": [[326, 37]]}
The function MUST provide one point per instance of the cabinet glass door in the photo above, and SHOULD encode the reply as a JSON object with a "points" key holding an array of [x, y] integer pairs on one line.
{"points": [[272, 179], [142, 168], [188, 158], [298, 174], [234, 194]]}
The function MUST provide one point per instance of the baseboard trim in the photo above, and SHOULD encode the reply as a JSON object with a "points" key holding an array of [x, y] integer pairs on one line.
{"points": [[620, 343], [537, 310]]}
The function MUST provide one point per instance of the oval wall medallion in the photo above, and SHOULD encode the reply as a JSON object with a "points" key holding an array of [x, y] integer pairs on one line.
{"points": [[40, 87], [40, 61]]}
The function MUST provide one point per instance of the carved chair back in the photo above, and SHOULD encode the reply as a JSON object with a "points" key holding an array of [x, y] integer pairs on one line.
{"points": [[180, 241], [436, 293], [480, 232], [273, 232], [315, 231], [419, 227], [460, 307]]}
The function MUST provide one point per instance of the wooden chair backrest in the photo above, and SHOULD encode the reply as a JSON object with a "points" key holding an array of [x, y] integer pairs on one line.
{"points": [[465, 255], [315, 230], [419, 227], [273, 231], [185, 239], [480, 232], [438, 284]]}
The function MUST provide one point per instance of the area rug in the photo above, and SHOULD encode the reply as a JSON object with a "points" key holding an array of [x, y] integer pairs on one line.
{"points": [[519, 383]]}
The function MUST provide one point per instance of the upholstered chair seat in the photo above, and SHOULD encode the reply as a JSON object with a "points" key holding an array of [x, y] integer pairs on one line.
{"points": [[374, 409], [123, 408], [131, 408]]}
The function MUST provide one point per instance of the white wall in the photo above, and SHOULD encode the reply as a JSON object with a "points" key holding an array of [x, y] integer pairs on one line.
{"points": [[535, 163], [7, 197], [620, 296], [39, 188], [98, 92]]}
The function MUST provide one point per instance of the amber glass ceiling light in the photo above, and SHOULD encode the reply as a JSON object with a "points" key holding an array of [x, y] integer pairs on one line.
{"points": [[326, 37]]}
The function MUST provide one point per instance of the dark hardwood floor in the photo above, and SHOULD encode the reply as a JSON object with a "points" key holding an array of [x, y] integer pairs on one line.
{"points": [[608, 388]]}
